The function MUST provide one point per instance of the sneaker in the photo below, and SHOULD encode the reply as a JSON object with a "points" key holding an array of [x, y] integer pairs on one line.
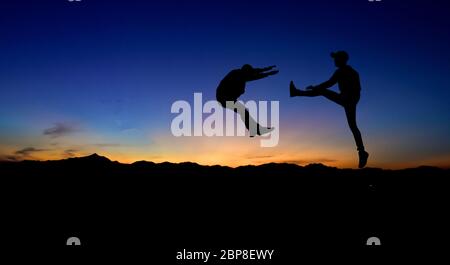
{"points": [[264, 130], [363, 156], [292, 89], [261, 131]]}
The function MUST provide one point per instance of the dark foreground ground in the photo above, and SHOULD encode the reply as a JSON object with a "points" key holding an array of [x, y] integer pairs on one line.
{"points": [[159, 209]]}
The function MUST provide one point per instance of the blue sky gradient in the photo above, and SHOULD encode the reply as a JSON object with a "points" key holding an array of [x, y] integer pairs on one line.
{"points": [[110, 71]]}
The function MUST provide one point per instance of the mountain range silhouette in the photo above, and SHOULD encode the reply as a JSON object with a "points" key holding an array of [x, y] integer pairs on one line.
{"points": [[97, 164], [181, 205]]}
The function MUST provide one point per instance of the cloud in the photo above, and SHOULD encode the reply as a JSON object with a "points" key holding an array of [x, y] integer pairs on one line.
{"points": [[106, 145], [281, 159], [259, 156], [21, 154], [27, 151], [70, 152], [60, 129], [308, 161], [326, 160], [8, 158]]}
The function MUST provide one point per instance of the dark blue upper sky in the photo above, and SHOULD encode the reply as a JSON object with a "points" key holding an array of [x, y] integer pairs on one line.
{"points": [[116, 65]]}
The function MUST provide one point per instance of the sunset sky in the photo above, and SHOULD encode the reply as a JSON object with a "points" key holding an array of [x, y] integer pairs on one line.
{"points": [[101, 76]]}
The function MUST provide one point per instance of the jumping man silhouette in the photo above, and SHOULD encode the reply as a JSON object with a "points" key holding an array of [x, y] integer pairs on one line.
{"points": [[349, 86], [232, 87]]}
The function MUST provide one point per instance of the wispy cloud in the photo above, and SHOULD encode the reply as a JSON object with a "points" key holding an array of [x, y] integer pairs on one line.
{"points": [[60, 129], [283, 159], [70, 152], [106, 145], [308, 161], [8, 158], [259, 156], [27, 151]]}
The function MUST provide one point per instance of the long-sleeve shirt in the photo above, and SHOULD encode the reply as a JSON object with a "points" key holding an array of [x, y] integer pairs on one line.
{"points": [[348, 82]]}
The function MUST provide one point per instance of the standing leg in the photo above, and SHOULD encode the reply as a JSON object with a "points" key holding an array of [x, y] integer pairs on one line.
{"points": [[350, 112]]}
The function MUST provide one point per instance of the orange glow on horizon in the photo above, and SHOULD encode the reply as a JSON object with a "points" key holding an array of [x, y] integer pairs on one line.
{"points": [[234, 160], [226, 151]]}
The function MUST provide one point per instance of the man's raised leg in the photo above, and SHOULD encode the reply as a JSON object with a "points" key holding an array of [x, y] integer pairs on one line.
{"points": [[294, 92], [251, 124], [314, 92]]}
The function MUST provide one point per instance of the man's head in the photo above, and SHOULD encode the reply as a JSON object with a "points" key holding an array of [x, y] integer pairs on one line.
{"points": [[340, 58], [247, 68]]}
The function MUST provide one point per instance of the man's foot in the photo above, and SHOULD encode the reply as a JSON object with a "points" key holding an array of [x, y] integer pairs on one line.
{"points": [[293, 91], [261, 131], [363, 156], [264, 130]]}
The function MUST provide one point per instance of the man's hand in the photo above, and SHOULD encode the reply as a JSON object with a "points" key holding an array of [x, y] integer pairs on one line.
{"points": [[262, 73], [272, 72], [265, 69]]}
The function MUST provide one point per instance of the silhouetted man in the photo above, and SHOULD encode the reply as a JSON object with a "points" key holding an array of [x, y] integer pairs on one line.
{"points": [[232, 87], [349, 86]]}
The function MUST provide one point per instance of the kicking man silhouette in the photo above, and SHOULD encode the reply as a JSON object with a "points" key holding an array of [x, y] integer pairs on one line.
{"points": [[349, 86], [232, 87]]}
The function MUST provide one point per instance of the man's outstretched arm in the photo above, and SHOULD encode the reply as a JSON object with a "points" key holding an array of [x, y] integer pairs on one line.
{"points": [[265, 69], [257, 76], [327, 84]]}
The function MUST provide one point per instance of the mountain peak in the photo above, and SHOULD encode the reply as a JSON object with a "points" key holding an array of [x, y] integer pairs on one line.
{"points": [[94, 157]]}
